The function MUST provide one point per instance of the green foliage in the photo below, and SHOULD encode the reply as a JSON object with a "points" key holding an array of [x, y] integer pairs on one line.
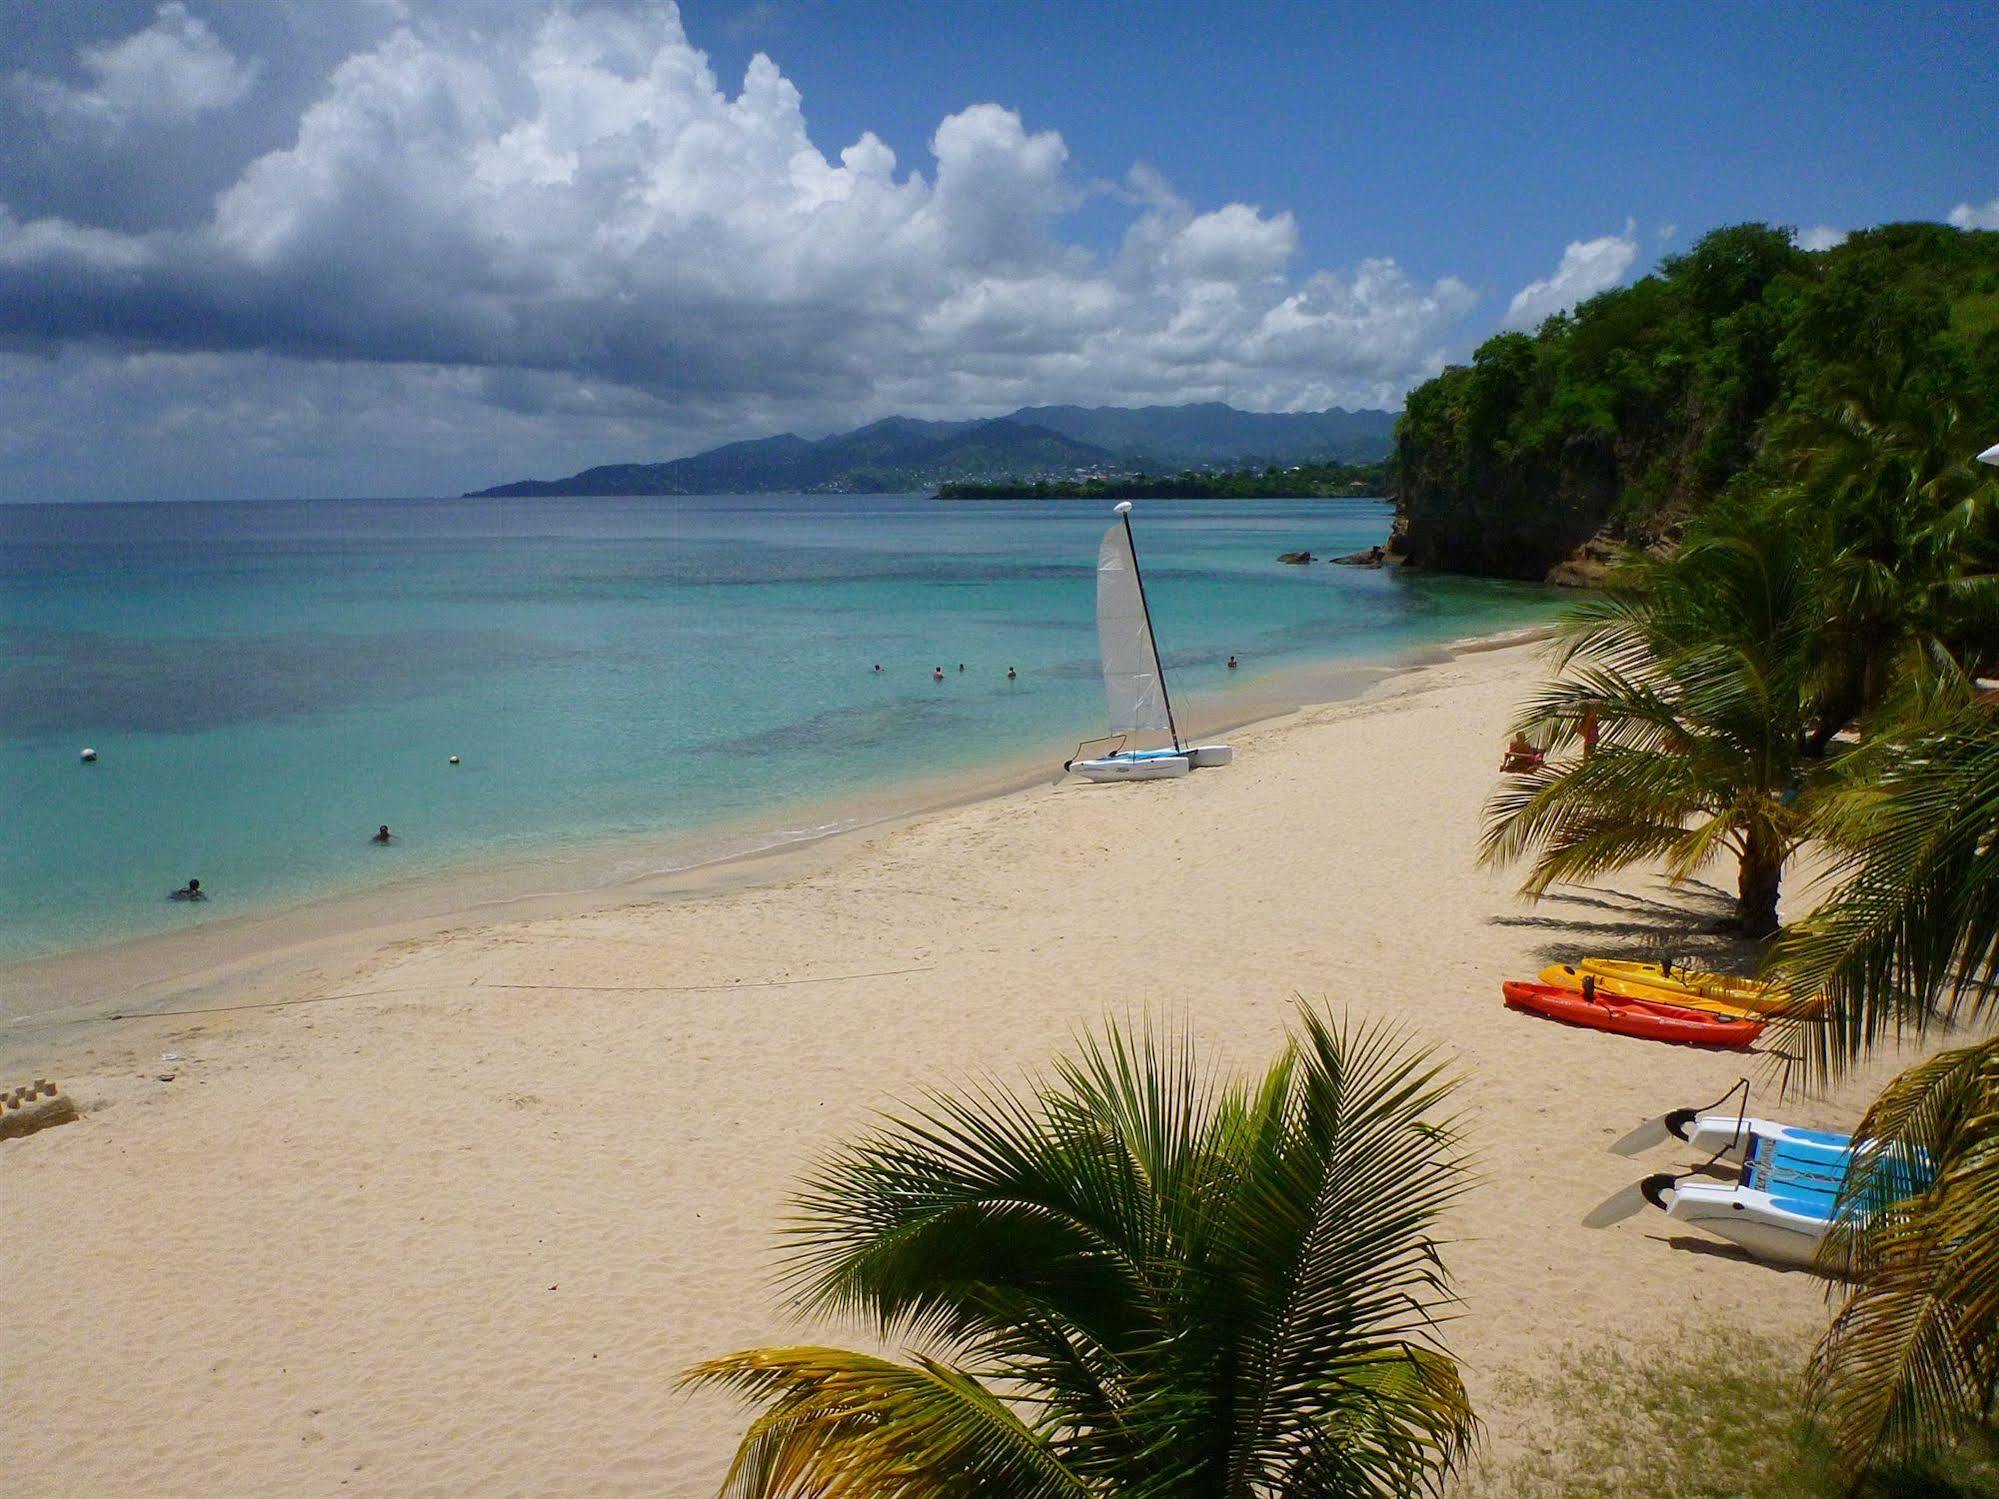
{"points": [[1641, 406], [1305, 481], [1908, 941], [1135, 1279], [1911, 1363], [1694, 670]]}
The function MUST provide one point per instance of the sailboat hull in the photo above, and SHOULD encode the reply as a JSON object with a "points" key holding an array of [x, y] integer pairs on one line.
{"points": [[1151, 767], [1202, 756]]}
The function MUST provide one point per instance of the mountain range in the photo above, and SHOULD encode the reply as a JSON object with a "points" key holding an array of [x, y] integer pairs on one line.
{"points": [[903, 453]]}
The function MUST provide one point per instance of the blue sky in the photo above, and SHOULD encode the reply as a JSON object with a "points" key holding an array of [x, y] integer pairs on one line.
{"points": [[1466, 139], [403, 246]]}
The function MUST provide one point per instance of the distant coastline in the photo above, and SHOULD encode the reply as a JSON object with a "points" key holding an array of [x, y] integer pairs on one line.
{"points": [[1309, 481], [1062, 444]]}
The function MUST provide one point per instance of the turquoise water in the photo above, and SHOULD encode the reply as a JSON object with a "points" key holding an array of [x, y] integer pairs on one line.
{"points": [[265, 683]]}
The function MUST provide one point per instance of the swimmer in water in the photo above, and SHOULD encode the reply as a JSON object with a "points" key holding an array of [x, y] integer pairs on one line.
{"points": [[878, 666], [937, 675], [1009, 673], [190, 891], [382, 834], [1231, 663], [961, 666]]}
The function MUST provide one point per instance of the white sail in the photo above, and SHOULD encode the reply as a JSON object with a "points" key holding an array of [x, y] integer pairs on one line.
{"points": [[1132, 687]]}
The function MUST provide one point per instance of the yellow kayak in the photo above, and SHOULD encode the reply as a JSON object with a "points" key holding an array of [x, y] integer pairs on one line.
{"points": [[1750, 994], [1569, 976]]}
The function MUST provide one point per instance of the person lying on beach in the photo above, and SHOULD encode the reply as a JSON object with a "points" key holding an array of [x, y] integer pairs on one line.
{"points": [[190, 891], [1521, 756], [382, 834]]}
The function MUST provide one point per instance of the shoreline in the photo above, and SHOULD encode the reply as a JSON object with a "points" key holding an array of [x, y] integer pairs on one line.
{"points": [[225, 956], [451, 1211]]}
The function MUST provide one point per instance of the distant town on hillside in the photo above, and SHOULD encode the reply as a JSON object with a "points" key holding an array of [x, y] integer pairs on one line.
{"points": [[1048, 444]]}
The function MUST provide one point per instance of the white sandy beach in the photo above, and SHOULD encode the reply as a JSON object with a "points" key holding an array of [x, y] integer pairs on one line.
{"points": [[459, 1228]]}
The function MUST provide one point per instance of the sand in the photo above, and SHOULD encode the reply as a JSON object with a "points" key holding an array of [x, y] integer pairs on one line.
{"points": [[449, 1212]]}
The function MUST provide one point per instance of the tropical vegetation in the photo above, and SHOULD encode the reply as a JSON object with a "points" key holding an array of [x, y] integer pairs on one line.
{"points": [[1804, 667], [1637, 409], [1134, 1279]]}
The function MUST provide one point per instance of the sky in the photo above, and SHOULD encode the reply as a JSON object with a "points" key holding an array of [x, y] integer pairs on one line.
{"points": [[411, 247]]}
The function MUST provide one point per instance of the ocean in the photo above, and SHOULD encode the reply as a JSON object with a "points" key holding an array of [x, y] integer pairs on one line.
{"points": [[266, 683]]}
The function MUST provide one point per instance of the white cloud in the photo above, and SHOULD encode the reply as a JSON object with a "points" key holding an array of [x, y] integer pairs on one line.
{"points": [[1588, 266], [1976, 216], [1821, 237], [582, 199], [175, 69]]}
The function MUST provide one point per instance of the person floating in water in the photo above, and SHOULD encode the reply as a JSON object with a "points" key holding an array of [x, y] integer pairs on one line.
{"points": [[190, 891], [878, 666], [1009, 673], [1231, 663], [961, 666], [382, 834], [937, 675]]}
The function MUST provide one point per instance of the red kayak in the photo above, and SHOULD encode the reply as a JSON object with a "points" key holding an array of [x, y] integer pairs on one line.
{"points": [[1632, 1017]]}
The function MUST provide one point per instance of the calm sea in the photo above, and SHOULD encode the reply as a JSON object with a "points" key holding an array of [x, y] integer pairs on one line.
{"points": [[266, 683]]}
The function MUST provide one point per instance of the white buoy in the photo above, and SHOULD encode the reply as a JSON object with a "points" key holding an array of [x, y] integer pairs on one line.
{"points": [[454, 759], [89, 755]]}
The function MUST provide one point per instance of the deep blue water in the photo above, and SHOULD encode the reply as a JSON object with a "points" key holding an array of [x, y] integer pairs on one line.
{"points": [[265, 683]]}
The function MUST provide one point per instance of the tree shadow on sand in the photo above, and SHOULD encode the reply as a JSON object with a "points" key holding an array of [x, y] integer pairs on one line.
{"points": [[1683, 920]]}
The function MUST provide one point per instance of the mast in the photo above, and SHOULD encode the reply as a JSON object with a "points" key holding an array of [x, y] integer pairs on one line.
{"points": [[1158, 666]]}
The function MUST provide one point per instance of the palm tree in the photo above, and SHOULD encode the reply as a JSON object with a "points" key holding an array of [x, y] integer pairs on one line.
{"points": [[1911, 1361], [1878, 459], [1909, 944], [1132, 1281], [1695, 672]]}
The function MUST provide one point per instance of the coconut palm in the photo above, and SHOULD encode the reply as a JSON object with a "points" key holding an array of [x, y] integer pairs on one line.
{"points": [[1695, 671], [1911, 1361], [1132, 1280], [1908, 944], [1880, 463]]}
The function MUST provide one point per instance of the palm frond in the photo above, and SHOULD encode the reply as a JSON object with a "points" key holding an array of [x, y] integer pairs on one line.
{"points": [[842, 1425], [1331, 1230], [1910, 938], [1156, 1282], [1912, 1358]]}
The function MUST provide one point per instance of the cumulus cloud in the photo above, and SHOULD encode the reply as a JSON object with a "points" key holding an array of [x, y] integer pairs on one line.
{"points": [[1821, 237], [1976, 216], [175, 69], [580, 206], [1587, 267]]}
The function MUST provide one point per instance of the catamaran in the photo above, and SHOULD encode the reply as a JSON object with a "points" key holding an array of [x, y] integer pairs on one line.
{"points": [[1134, 678]]}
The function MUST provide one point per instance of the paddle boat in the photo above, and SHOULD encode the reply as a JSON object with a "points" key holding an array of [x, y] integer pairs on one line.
{"points": [[1787, 1196]]}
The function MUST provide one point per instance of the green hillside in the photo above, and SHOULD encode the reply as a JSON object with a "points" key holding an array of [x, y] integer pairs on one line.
{"points": [[1629, 414]]}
